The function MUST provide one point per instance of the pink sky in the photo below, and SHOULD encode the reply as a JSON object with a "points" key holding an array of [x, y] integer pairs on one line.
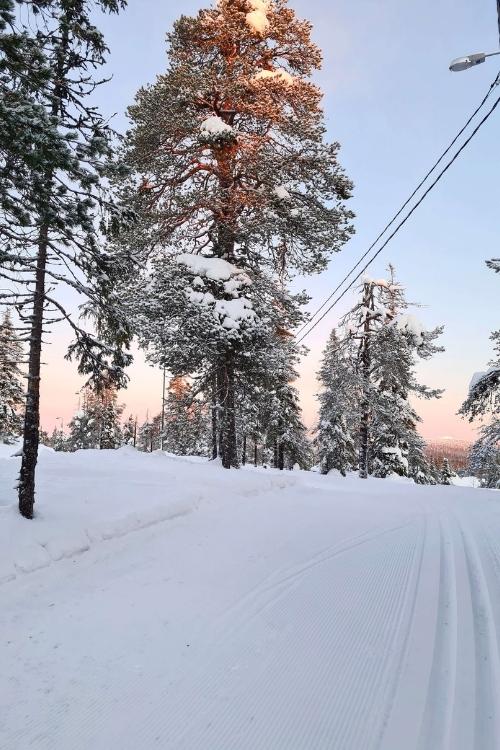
{"points": [[61, 383]]}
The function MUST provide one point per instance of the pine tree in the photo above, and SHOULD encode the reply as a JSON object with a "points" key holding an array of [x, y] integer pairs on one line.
{"points": [[186, 423], [11, 387], [111, 430], [129, 432], [97, 424], [447, 473], [483, 400], [58, 440], [397, 447], [146, 437], [336, 434], [382, 376], [59, 195], [236, 181], [484, 457], [362, 325], [81, 431]]}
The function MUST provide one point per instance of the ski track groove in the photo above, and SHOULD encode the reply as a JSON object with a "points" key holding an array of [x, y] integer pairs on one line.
{"points": [[96, 714], [282, 580], [487, 665], [437, 724], [222, 711], [342, 730]]}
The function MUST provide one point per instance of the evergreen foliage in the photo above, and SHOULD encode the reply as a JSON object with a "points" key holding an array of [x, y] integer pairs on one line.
{"points": [[367, 379], [335, 442], [129, 431], [447, 473], [55, 148], [11, 385], [483, 400], [97, 424], [234, 189], [186, 421], [484, 457]]}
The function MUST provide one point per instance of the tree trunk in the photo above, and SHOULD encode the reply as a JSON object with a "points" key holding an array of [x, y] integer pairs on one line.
{"points": [[215, 447], [275, 454], [244, 451], [364, 429], [31, 432], [281, 456], [229, 447], [255, 453]]}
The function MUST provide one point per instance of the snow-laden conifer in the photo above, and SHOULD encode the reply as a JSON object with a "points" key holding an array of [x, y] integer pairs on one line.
{"points": [[186, 428], [336, 437], [483, 401], [65, 145], [231, 168], [11, 381]]}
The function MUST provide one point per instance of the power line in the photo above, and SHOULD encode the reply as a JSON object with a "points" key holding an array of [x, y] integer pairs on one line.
{"points": [[398, 214], [410, 213]]}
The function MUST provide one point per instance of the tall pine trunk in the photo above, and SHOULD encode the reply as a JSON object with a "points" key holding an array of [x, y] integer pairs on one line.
{"points": [[244, 451], [229, 447], [281, 456], [215, 426], [31, 432], [364, 429], [255, 452]]}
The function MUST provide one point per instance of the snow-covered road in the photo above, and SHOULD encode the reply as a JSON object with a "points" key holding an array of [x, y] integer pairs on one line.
{"points": [[284, 612]]}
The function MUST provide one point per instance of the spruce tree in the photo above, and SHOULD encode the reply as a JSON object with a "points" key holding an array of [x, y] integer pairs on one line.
{"points": [[484, 457], [186, 423], [389, 342], [483, 400], [129, 431], [146, 435], [336, 434], [447, 473], [11, 385], [362, 324], [236, 180], [81, 433], [55, 239]]}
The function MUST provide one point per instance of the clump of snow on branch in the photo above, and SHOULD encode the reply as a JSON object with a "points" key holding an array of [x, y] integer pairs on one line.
{"points": [[214, 125], [216, 269], [282, 193], [257, 18], [233, 312], [229, 313], [411, 325], [478, 377], [278, 74]]}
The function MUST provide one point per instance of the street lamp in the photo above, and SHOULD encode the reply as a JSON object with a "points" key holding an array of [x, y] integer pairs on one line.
{"points": [[463, 63]]}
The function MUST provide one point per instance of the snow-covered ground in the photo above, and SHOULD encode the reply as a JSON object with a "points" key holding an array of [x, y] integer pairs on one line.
{"points": [[165, 603]]}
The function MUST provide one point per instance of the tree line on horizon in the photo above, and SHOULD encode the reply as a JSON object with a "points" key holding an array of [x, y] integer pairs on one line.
{"points": [[185, 235]]}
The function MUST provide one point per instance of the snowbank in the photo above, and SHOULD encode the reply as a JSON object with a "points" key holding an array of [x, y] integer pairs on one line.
{"points": [[84, 498], [89, 497]]}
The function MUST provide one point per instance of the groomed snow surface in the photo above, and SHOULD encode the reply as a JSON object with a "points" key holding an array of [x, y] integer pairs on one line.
{"points": [[160, 602]]}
